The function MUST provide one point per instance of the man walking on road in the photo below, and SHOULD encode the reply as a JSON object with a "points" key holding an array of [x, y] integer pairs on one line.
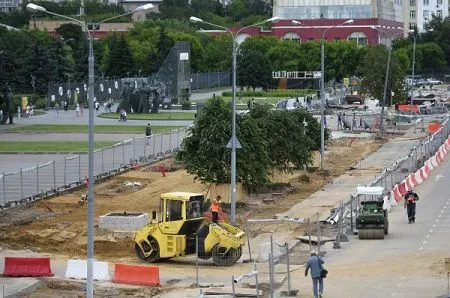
{"points": [[410, 204], [315, 263]]}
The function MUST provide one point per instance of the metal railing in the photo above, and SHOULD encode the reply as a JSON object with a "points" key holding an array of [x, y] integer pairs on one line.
{"points": [[61, 174]]}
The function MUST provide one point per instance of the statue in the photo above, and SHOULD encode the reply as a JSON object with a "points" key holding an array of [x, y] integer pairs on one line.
{"points": [[143, 99], [125, 95]]}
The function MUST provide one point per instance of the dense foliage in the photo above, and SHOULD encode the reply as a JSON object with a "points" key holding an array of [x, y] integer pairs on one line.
{"points": [[142, 50], [265, 147]]}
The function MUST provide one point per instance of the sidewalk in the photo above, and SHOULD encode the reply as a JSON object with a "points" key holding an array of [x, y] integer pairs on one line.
{"points": [[342, 187]]}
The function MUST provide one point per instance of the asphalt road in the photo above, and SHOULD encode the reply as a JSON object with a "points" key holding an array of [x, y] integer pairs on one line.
{"points": [[409, 262]]}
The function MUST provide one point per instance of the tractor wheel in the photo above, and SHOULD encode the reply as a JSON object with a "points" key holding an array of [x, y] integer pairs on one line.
{"points": [[153, 249], [222, 257]]}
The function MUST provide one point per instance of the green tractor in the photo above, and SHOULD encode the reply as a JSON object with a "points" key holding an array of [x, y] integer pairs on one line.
{"points": [[372, 220]]}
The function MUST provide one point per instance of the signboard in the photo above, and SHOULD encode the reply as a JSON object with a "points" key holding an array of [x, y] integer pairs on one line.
{"points": [[346, 81], [184, 56], [24, 103], [283, 74]]}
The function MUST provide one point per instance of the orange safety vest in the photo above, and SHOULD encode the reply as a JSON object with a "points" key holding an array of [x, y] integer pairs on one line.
{"points": [[215, 206]]}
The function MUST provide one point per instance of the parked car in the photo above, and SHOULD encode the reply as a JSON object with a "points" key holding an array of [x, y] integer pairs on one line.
{"points": [[420, 82], [432, 81]]}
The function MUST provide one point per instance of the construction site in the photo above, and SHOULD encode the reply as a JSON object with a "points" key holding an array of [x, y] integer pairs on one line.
{"points": [[57, 226]]}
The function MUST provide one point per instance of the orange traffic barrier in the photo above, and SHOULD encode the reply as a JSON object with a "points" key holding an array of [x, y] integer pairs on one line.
{"points": [[136, 275], [433, 127], [27, 267]]}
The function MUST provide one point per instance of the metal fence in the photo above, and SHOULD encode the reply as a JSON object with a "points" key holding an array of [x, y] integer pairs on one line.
{"points": [[35, 182], [399, 170], [210, 79]]}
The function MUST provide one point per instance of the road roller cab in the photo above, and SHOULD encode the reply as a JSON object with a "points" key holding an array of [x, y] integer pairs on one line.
{"points": [[174, 229], [372, 220]]}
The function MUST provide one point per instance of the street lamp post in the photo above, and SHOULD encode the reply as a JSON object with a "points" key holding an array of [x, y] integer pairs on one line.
{"points": [[413, 65], [322, 87], [322, 93], [90, 202], [414, 61], [233, 143], [386, 77]]}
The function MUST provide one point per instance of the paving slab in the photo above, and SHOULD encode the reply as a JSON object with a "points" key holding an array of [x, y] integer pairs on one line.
{"points": [[343, 186]]}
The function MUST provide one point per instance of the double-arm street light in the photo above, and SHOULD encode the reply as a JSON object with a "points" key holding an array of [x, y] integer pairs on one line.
{"points": [[322, 88], [233, 143], [386, 77], [90, 237]]}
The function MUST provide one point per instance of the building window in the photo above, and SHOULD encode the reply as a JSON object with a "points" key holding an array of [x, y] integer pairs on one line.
{"points": [[426, 2], [439, 13], [412, 2], [291, 36], [412, 14], [426, 14], [358, 37], [412, 26], [439, 2]]}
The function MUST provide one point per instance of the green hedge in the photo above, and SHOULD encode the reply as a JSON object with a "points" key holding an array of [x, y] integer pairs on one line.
{"points": [[272, 93]]}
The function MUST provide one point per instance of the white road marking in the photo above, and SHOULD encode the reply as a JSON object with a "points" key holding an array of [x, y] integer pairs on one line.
{"points": [[420, 248], [428, 236], [430, 231], [424, 241], [439, 216], [434, 225]]}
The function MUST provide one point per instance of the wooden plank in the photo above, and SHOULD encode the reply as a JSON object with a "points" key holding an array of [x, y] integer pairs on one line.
{"points": [[239, 292], [314, 240]]}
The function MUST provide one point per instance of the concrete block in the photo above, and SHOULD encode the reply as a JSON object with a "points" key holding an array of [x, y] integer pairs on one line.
{"points": [[123, 221]]}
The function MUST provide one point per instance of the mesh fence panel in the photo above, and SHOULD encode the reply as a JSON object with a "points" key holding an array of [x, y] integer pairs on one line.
{"points": [[70, 170]]}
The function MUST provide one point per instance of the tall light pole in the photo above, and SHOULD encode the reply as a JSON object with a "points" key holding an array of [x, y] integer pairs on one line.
{"points": [[233, 143], [322, 93], [386, 77], [413, 64], [90, 213]]}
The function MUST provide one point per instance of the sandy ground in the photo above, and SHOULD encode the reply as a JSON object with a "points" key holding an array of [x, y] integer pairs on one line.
{"points": [[58, 225]]}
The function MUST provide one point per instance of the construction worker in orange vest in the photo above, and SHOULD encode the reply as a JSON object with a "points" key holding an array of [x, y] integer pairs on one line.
{"points": [[215, 208], [410, 204]]}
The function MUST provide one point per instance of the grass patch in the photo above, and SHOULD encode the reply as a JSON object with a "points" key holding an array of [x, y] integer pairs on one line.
{"points": [[157, 116], [49, 146], [107, 129]]}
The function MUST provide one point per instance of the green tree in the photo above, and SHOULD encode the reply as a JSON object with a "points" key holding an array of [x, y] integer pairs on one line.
{"points": [[205, 155], [120, 60], [373, 71], [292, 144], [254, 70]]}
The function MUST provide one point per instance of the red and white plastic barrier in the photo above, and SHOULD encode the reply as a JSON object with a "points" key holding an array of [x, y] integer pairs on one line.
{"points": [[414, 179]]}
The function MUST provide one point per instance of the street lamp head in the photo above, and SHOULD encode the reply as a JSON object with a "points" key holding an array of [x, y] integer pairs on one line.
{"points": [[195, 20], [296, 22], [144, 7], [411, 31], [349, 21], [35, 8], [273, 19], [430, 30]]}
